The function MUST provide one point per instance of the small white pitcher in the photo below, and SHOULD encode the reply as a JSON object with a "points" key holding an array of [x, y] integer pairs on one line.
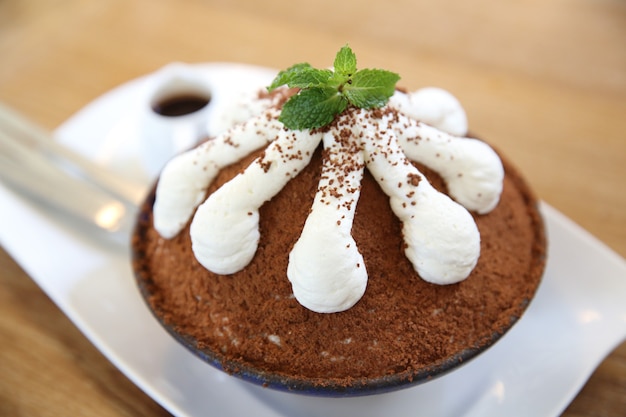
{"points": [[175, 116]]}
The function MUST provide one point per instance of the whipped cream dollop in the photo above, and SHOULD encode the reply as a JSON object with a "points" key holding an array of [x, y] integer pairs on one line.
{"points": [[326, 270]]}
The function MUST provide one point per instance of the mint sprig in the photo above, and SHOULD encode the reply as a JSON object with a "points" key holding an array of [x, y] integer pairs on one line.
{"points": [[326, 93]]}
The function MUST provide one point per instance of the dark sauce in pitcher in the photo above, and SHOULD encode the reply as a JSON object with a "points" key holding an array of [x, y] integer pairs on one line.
{"points": [[180, 105]]}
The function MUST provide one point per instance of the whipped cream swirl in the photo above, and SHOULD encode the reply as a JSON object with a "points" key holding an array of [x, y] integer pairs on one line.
{"points": [[326, 270]]}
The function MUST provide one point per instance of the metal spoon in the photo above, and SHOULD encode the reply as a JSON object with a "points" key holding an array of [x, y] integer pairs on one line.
{"points": [[33, 164]]}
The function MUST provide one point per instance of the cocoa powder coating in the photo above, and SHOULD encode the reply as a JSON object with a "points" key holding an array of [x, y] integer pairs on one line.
{"points": [[402, 324]]}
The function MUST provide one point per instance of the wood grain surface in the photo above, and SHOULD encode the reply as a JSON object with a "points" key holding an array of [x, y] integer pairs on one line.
{"points": [[544, 81]]}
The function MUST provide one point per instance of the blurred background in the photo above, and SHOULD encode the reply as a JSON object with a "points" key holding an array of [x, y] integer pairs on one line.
{"points": [[544, 81]]}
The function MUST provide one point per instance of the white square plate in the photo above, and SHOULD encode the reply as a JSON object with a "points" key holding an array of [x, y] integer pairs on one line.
{"points": [[577, 317]]}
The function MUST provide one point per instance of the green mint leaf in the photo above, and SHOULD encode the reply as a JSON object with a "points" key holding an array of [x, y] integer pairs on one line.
{"points": [[312, 108], [370, 88], [310, 77], [345, 61], [285, 76], [337, 80], [324, 93]]}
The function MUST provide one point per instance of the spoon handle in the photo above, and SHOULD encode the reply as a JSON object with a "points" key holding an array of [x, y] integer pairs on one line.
{"points": [[40, 169], [20, 130]]}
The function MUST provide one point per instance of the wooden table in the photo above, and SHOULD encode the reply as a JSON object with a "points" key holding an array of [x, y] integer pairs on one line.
{"points": [[544, 81]]}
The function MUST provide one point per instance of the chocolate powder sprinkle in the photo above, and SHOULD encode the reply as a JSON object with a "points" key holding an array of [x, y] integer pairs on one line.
{"points": [[402, 323]]}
